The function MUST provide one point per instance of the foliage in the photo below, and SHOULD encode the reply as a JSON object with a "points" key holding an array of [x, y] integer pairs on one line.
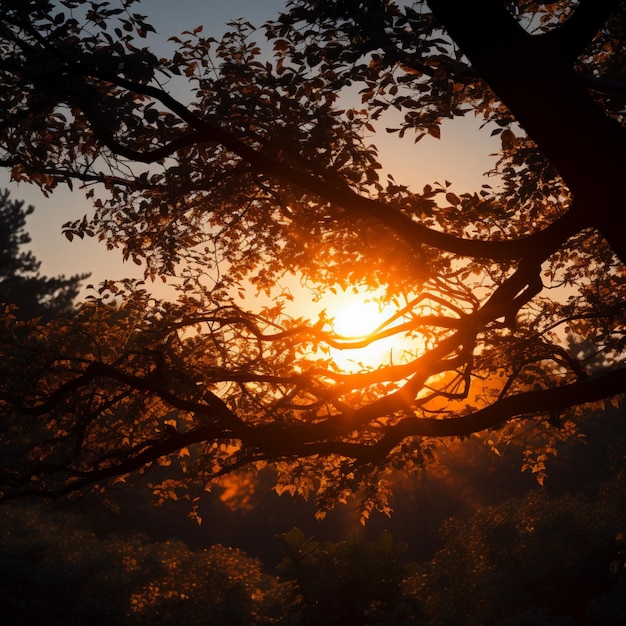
{"points": [[537, 560], [347, 582], [223, 168], [532, 560], [217, 586], [53, 572], [20, 282]]}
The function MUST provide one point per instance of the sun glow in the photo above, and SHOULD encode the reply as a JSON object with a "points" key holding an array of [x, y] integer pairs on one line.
{"points": [[358, 325]]}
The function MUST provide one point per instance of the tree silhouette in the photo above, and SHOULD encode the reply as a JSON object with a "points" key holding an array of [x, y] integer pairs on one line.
{"points": [[495, 569], [53, 571], [20, 281], [227, 168]]}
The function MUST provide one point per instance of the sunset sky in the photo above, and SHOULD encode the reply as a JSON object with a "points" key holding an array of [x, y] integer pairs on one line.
{"points": [[461, 156]]}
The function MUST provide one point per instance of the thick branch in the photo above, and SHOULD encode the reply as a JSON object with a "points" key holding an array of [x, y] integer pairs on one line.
{"points": [[596, 388], [542, 91], [414, 233], [212, 407], [574, 35], [592, 389], [316, 181]]}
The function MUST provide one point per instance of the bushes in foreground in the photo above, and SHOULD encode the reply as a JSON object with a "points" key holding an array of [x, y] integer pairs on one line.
{"points": [[536, 560]]}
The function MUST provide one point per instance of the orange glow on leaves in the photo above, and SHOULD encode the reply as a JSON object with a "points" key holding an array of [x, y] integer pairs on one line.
{"points": [[239, 491]]}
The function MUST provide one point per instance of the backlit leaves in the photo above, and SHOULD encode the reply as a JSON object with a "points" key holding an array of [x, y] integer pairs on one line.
{"points": [[228, 170]]}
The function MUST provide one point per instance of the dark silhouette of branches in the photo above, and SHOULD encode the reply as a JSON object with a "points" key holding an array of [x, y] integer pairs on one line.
{"points": [[262, 169]]}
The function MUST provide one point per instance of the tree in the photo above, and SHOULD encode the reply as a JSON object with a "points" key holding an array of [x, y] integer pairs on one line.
{"points": [[258, 168], [20, 281], [495, 569], [347, 581], [54, 572]]}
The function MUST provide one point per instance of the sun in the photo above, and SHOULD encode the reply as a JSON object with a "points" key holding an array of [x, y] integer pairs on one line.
{"points": [[357, 319], [357, 323]]}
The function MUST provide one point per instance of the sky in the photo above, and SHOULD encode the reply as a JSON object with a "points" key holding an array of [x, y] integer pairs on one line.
{"points": [[461, 156]]}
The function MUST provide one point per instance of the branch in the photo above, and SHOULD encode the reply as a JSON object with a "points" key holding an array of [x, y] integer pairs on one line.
{"points": [[316, 182], [595, 388], [213, 407], [573, 36], [599, 387], [146, 156], [123, 467], [592, 389], [540, 88]]}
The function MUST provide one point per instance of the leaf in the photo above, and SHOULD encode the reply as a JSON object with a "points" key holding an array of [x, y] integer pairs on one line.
{"points": [[385, 541], [150, 115], [453, 199], [294, 539], [507, 138]]}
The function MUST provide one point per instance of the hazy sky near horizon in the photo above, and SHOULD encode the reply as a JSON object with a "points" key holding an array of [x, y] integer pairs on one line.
{"points": [[461, 156]]}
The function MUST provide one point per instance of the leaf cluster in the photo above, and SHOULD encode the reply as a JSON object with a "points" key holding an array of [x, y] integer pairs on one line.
{"points": [[225, 168]]}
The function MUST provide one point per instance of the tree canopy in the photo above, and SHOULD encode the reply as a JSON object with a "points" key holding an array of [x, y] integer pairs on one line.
{"points": [[223, 165], [21, 283]]}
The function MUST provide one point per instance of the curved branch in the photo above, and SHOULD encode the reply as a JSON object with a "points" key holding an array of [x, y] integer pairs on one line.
{"points": [[319, 182], [596, 388], [592, 389], [212, 406]]}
